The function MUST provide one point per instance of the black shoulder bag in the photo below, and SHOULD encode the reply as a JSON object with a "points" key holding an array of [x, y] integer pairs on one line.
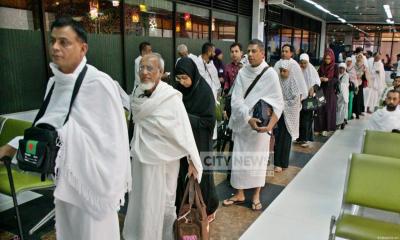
{"points": [[37, 151], [262, 110]]}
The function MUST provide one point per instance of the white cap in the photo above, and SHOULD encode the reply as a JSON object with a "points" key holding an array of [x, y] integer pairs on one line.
{"points": [[342, 65], [349, 59], [305, 57]]}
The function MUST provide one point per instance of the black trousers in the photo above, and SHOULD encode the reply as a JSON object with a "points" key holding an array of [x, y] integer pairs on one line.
{"points": [[306, 129], [358, 102], [283, 143]]}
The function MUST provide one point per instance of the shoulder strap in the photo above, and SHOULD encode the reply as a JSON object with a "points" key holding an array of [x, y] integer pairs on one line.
{"points": [[255, 81], [43, 108], [77, 85]]}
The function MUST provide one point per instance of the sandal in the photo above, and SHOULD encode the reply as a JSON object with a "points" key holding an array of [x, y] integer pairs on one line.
{"points": [[278, 169], [256, 206], [232, 201]]}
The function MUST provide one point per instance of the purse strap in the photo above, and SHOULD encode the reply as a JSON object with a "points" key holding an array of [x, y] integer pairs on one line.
{"points": [[255, 81], [77, 85]]}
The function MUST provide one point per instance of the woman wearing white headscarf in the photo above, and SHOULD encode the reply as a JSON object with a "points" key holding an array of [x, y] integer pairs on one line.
{"points": [[343, 96], [306, 117], [288, 124]]}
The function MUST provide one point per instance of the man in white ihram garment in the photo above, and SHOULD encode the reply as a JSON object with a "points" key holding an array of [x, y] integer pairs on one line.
{"points": [[207, 68], [295, 70], [162, 136], [387, 118], [251, 148], [93, 163], [378, 85], [209, 72]]}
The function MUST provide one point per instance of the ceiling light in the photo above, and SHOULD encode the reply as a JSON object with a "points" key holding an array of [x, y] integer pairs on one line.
{"points": [[387, 10], [325, 10]]}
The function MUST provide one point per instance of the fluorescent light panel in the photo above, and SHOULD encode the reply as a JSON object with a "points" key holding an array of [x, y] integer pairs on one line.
{"points": [[325, 10], [387, 10]]}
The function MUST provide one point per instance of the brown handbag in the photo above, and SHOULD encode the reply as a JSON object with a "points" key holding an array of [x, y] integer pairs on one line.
{"points": [[192, 222]]}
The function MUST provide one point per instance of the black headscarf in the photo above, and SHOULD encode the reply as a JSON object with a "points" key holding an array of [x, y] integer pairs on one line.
{"points": [[198, 99]]}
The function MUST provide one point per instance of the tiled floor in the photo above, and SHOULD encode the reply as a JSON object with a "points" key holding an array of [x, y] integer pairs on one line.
{"points": [[231, 222]]}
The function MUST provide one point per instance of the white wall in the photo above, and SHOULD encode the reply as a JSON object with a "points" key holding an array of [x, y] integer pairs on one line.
{"points": [[12, 18]]}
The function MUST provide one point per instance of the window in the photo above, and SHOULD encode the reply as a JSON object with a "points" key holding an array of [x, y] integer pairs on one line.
{"points": [[297, 42], [17, 15], [286, 36], [305, 45], [97, 16], [273, 41], [148, 18], [386, 47], [312, 50], [192, 22], [223, 27]]}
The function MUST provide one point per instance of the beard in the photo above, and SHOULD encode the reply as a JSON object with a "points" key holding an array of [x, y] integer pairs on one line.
{"points": [[391, 107]]}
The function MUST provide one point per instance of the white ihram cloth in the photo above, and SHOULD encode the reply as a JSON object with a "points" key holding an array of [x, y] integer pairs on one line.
{"points": [[384, 120], [162, 136], [210, 73], [378, 85], [296, 72], [343, 98], [136, 81], [249, 144], [93, 162]]}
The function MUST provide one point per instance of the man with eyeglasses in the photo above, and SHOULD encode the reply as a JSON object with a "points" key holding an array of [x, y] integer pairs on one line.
{"points": [[162, 136]]}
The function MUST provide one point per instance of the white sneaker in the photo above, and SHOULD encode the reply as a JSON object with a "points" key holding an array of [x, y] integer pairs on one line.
{"points": [[324, 133]]}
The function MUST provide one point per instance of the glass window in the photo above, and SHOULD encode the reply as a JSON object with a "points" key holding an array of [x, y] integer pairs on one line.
{"points": [[395, 47], [97, 16], [386, 47], [286, 36], [273, 41], [17, 15], [192, 22], [148, 18], [297, 42], [312, 50], [223, 27], [305, 45]]}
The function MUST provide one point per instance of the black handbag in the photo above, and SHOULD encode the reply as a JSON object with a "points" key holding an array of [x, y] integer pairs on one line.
{"points": [[37, 151], [262, 111], [321, 100], [309, 104]]}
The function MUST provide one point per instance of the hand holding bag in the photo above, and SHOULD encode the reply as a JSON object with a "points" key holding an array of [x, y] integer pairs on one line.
{"points": [[192, 222]]}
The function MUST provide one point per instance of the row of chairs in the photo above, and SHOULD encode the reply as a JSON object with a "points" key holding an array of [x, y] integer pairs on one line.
{"points": [[14, 181], [372, 184]]}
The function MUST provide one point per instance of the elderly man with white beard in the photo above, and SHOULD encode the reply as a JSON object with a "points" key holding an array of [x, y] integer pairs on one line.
{"points": [[162, 136]]}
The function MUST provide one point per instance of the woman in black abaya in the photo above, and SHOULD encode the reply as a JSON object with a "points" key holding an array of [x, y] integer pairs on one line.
{"points": [[200, 106]]}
